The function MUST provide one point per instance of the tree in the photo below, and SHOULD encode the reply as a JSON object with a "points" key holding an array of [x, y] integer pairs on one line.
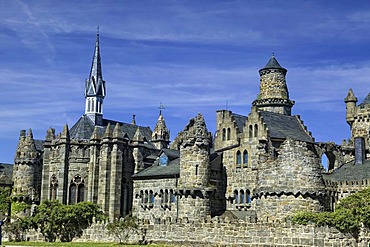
{"points": [[123, 228], [5, 200], [349, 215], [55, 220]]}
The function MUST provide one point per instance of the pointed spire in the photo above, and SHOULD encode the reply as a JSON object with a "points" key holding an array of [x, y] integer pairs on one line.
{"points": [[96, 134], [95, 87], [273, 64], [50, 135], [350, 97], [108, 132], [133, 121], [65, 132], [117, 132], [138, 137], [29, 135]]}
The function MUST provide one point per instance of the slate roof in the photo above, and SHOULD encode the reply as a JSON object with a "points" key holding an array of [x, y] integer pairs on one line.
{"points": [[172, 170], [273, 64], [84, 128], [366, 101], [283, 127], [39, 144], [6, 174], [240, 121], [350, 172]]}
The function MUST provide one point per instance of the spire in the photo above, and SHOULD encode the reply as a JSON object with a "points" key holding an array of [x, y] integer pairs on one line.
{"points": [[161, 135], [133, 121], [350, 97], [273, 64], [95, 87]]}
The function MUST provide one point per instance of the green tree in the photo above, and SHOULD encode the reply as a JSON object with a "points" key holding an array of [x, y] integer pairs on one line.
{"points": [[349, 215], [55, 220], [123, 228], [5, 200]]}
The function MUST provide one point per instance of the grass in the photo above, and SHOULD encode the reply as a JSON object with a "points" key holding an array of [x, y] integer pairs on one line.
{"points": [[74, 244]]}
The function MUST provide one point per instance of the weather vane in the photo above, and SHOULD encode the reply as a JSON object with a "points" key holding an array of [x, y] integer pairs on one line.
{"points": [[161, 107]]}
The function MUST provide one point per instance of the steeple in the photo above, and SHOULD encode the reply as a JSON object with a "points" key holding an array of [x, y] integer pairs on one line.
{"points": [[95, 88], [161, 135], [274, 95]]}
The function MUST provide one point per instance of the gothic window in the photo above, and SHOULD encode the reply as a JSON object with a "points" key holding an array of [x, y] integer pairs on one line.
{"points": [[76, 190], [223, 134], [238, 158], [166, 196], [92, 105], [242, 197], [248, 197], [245, 157], [236, 196], [162, 196], [250, 131], [146, 197], [53, 187], [255, 130], [141, 197], [172, 196], [151, 197], [228, 133], [196, 170], [88, 106]]}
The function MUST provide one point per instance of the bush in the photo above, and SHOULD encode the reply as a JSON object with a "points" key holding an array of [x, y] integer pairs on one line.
{"points": [[350, 214], [55, 220], [123, 228]]}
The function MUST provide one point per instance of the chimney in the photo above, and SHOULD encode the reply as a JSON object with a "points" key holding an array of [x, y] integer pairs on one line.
{"points": [[359, 150]]}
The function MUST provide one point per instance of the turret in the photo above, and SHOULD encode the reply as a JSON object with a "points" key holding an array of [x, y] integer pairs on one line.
{"points": [[95, 88], [26, 168], [350, 101], [274, 95], [161, 135]]}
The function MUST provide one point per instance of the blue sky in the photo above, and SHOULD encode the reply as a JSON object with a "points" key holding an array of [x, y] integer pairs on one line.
{"points": [[193, 56]]}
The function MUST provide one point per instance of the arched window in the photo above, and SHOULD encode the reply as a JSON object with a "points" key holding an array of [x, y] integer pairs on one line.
{"points": [[238, 158], [166, 196], [248, 198], [223, 134], [76, 190], [242, 198], [255, 130], [146, 197], [250, 131], [53, 187], [228, 133], [151, 197], [172, 196], [162, 196], [92, 105], [245, 157], [88, 105], [141, 197], [236, 196]]}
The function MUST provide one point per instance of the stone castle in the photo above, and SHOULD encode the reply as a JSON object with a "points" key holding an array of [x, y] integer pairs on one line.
{"points": [[256, 168]]}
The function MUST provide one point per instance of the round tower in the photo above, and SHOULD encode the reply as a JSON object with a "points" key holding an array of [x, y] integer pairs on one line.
{"points": [[274, 95], [27, 172], [350, 101]]}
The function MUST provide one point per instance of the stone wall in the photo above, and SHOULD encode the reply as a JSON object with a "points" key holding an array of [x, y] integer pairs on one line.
{"points": [[222, 232]]}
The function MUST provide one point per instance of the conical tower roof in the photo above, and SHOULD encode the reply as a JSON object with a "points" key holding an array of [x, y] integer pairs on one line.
{"points": [[273, 64]]}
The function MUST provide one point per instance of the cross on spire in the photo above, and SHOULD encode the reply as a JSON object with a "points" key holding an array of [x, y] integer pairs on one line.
{"points": [[161, 107]]}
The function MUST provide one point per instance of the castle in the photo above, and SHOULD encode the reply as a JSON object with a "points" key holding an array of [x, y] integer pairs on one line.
{"points": [[260, 168]]}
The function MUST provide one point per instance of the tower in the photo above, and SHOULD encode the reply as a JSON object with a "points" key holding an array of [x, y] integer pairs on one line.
{"points": [[274, 95], [194, 182], [95, 88], [350, 101], [161, 135]]}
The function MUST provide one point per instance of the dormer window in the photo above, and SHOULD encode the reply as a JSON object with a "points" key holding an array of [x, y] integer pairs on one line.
{"points": [[163, 160]]}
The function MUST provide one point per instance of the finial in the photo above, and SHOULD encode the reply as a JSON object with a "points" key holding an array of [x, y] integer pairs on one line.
{"points": [[133, 122], [273, 54], [97, 30], [161, 107]]}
